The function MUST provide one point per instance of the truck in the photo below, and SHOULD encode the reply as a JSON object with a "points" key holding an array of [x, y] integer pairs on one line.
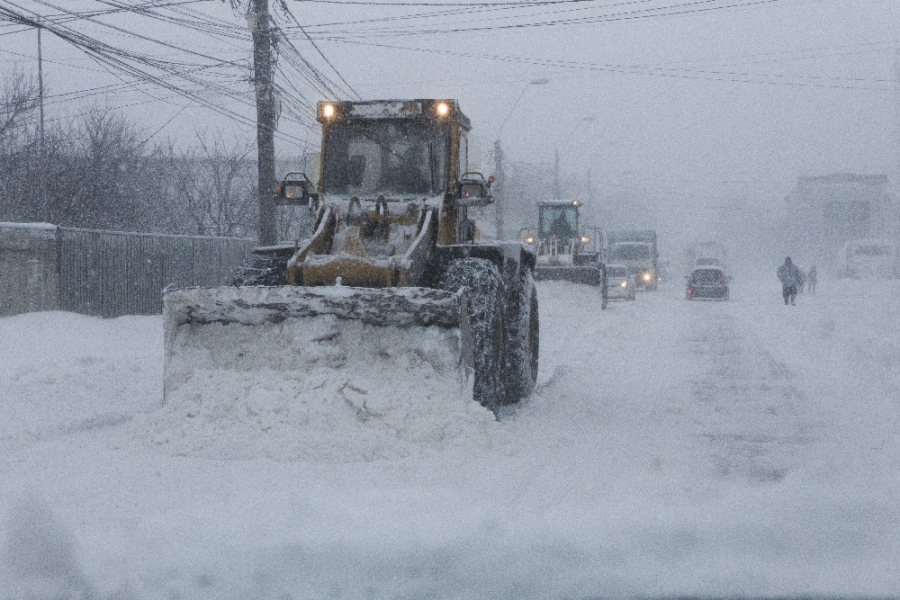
{"points": [[637, 250], [860, 259], [390, 290]]}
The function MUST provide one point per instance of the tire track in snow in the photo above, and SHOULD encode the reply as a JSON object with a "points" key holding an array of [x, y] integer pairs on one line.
{"points": [[27, 438], [752, 414]]}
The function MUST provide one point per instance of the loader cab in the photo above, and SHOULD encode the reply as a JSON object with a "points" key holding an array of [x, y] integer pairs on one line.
{"points": [[400, 150], [558, 220]]}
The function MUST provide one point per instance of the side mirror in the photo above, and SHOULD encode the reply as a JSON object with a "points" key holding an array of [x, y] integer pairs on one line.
{"points": [[294, 189], [473, 189]]}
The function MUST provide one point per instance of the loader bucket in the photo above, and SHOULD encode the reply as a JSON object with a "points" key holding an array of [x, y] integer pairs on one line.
{"points": [[577, 274], [583, 274], [294, 350]]}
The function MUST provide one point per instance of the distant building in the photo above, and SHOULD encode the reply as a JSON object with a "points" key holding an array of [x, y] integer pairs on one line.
{"points": [[827, 211]]}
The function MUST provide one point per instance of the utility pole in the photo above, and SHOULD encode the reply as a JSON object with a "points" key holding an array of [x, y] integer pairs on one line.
{"points": [[45, 205], [896, 111], [497, 191], [556, 191], [258, 20]]}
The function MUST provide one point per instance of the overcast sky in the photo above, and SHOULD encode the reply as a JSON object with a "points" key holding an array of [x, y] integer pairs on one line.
{"points": [[698, 102]]}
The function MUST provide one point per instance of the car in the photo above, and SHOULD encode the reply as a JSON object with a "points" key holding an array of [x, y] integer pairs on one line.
{"points": [[708, 262], [619, 283], [707, 282]]}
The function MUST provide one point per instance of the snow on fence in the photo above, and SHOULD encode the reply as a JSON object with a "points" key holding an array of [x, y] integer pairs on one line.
{"points": [[105, 273]]}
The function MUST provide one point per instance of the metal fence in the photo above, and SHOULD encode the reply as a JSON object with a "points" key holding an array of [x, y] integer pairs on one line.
{"points": [[109, 274]]}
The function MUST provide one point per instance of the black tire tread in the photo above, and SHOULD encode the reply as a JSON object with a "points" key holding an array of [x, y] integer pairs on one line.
{"points": [[484, 292]]}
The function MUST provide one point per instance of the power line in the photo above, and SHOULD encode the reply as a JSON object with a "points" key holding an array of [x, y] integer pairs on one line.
{"points": [[621, 12], [115, 60], [683, 73], [314, 45]]}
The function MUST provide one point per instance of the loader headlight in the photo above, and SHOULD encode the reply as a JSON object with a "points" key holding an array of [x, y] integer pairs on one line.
{"points": [[442, 109], [328, 111], [529, 240], [585, 239], [646, 277], [624, 283]]}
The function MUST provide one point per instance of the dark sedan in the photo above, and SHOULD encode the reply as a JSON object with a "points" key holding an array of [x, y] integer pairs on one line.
{"points": [[707, 282]]}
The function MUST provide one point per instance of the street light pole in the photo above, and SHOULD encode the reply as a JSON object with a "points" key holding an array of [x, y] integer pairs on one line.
{"points": [[557, 188], [499, 200], [540, 81]]}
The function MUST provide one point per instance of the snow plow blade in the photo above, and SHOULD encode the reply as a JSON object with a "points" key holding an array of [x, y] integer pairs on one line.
{"points": [[353, 345], [576, 274]]}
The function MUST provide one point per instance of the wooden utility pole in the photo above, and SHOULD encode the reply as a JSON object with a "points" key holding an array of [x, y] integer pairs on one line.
{"points": [[258, 21], [498, 190], [45, 204]]}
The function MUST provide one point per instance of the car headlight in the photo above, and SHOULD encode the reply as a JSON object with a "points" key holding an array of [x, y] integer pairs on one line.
{"points": [[624, 284], [646, 277]]}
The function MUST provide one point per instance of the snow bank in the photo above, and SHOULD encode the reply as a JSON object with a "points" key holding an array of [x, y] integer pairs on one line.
{"points": [[61, 372], [632, 471]]}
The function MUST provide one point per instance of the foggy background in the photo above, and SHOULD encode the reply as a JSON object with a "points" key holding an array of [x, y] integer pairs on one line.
{"points": [[696, 118]]}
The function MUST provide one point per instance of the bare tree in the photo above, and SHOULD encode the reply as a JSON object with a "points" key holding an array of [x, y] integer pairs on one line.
{"points": [[99, 174], [211, 188], [18, 147], [17, 98]]}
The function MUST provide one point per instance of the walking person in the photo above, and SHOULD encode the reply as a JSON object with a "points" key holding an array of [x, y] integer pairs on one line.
{"points": [[790, 277], [811, 280]]}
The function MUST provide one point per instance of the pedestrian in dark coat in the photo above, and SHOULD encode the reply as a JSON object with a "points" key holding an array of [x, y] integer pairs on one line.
{"points": [[791, 279]]}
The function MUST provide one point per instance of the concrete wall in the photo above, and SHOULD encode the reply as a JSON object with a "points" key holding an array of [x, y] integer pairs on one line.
{"points": [[29, 275]]}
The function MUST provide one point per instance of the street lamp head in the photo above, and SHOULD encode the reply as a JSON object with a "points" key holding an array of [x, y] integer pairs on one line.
{"points": [[540, 81]]}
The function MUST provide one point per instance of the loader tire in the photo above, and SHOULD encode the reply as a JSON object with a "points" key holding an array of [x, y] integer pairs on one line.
{"points": [[261, 269], [485, 293], [522, 339]]}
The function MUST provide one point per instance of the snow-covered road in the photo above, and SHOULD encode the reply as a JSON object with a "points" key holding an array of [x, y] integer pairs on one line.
{"points": [[738, 448]]}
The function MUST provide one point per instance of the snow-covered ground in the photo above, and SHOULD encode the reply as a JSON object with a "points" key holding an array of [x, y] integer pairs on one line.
{"points": [[739, 448]]}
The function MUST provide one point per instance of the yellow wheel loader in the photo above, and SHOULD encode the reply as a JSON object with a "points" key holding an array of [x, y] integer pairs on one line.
{"points": [[562, 248], [390, 283]]}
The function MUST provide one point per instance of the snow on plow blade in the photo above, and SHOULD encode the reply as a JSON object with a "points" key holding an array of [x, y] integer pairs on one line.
{"points": [[576, 274], [315, 359], [299, 329]]}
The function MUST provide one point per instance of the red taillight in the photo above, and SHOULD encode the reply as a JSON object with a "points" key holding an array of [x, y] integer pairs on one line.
{"points": [[724, 279]]}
